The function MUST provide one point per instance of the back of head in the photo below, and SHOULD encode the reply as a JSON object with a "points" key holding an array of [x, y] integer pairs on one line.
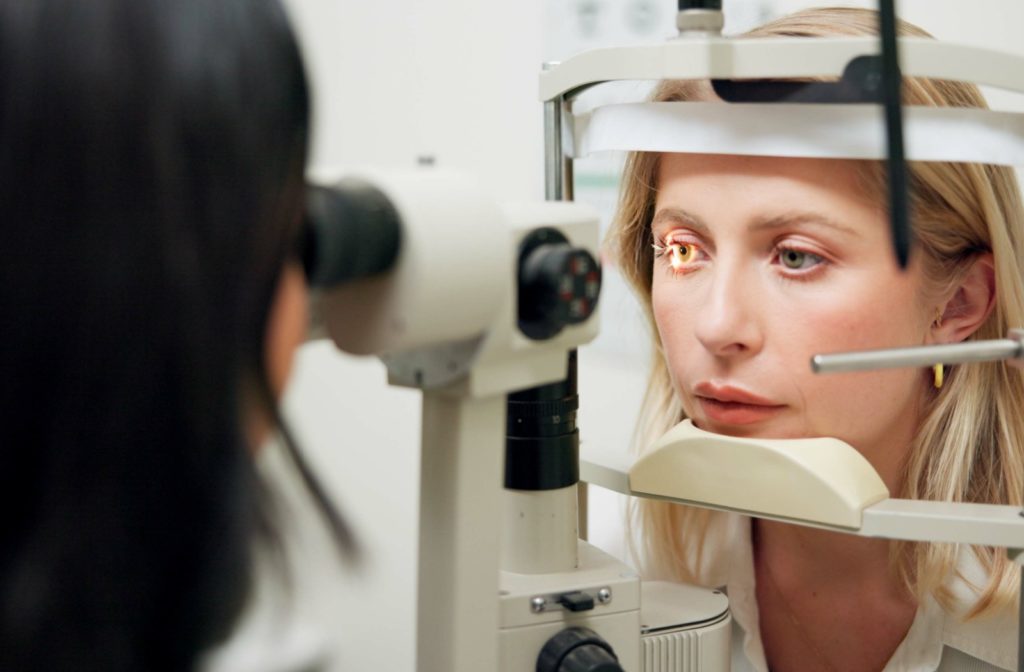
{"points": [[151, 173]]}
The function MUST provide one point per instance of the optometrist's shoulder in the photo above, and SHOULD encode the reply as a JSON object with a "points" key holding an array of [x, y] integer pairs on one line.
{"points": [[749, 266], [153, 180]]}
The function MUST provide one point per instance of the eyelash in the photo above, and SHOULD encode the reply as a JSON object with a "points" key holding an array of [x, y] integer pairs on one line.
{"points": [[663, 250]]}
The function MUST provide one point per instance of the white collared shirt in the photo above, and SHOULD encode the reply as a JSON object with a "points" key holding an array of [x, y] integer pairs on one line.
{"points": [[937, 640]]}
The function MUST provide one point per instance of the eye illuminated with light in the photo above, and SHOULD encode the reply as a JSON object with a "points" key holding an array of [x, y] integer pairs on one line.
{"points": [[681, 254]]}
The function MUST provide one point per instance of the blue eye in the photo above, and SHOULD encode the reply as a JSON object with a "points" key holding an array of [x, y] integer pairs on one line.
{"points": [[795, 260]]}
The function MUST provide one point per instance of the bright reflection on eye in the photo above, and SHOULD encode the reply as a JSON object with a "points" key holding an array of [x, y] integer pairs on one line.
{"points": [[679, 257], [681, 254]]}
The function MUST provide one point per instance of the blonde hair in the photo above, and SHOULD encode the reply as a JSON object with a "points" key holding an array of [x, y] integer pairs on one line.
{"points": [[969, 446]]}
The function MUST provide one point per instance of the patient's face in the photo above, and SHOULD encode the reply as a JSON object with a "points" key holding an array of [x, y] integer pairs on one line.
{"points": [[765, 262]]}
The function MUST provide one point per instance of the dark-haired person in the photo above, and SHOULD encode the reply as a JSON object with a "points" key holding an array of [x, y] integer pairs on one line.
{"points": [[151, 192]]}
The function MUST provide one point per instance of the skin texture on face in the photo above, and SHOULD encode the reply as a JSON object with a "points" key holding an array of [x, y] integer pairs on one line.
{"points": [[762, 263], [286, 331], [286, 325]]}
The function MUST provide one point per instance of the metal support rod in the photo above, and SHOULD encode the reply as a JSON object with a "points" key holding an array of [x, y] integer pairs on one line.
{"points": [[553, 182], [558, 186], [557, 166], [928, 355], [583, 510], [460, 509]]}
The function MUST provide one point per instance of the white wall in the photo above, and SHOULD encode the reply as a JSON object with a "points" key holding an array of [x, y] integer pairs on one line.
{"points": [[453, 79]]}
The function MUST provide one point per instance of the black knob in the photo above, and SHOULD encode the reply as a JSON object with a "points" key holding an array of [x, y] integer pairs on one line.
{"points": [[558, 284], [577, 650], [700, 4]]}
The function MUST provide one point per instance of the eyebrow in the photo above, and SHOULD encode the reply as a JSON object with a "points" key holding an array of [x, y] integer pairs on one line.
{"points": [[678, 215], [798, 218]]}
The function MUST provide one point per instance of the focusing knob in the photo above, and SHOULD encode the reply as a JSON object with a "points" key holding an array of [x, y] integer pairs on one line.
{"points": [[700, 18], [577, 650], [558, 284]]}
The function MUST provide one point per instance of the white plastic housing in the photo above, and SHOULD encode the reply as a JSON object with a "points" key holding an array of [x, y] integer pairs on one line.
{"points": [[451, 276], [818, 480], [685, 628], [524, 631], [507, 359], [540, 532], [751, 58]]}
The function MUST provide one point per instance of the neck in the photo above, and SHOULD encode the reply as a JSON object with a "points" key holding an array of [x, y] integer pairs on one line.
{"points": [[828, 598], [823, 558]]}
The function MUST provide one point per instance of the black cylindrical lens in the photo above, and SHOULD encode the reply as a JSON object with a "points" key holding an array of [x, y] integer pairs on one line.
{"points": [[700, 4], [352, 231], [542, 442]]}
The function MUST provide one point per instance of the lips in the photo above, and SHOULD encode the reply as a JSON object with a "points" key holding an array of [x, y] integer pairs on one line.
{"points": [[732, 405]]}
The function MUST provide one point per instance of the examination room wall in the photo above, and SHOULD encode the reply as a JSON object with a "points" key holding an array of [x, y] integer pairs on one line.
{"points": [[399, 83]]}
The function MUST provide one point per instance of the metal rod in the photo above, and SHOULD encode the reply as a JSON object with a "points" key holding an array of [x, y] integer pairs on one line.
{"points": [[568, 183], [553, 182], [929, 355], [558, 186]]}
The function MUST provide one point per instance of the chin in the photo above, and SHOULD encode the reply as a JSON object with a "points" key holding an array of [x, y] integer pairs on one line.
{"points": [[758, 430]]}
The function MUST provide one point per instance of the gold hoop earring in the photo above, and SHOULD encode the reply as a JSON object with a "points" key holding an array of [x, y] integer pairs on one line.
{"points": [[939, 372]]}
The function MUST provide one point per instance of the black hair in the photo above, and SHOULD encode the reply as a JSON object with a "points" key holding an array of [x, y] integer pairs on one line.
{"points": [[151, 184]]}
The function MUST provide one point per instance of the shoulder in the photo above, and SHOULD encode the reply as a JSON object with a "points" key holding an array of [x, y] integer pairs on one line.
{"points": [[272, 634], [992, 639], [257, 647]]}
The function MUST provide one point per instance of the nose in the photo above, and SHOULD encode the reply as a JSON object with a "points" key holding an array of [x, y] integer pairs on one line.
{"points": [[728, 321]]}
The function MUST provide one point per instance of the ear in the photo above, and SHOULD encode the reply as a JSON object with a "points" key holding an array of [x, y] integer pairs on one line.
{"points": [[970, 304]]}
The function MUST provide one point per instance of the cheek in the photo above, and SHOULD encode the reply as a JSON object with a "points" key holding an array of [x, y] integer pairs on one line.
{"points": [[286, 328], [877, 412], [824, 323], [852, 406], [673, 317], [661, 307]]}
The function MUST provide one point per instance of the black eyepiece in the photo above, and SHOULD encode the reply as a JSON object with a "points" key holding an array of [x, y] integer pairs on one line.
{"points": [[351, 231], [700, 4]]}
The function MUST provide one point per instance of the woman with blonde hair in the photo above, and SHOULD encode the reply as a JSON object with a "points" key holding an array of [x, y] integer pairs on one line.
{"points": [[746, 267]]}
